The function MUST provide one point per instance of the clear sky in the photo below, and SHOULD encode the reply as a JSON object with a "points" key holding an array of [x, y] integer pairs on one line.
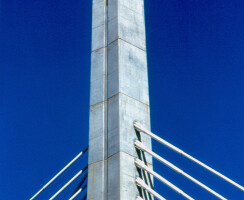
{"points": [[196, 78]]}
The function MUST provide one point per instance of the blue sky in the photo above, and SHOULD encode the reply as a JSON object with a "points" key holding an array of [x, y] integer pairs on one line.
{"points": [[196, 80]]}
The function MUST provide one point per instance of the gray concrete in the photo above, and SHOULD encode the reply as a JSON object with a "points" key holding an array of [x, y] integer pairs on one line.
{"points": [[118, 96]]}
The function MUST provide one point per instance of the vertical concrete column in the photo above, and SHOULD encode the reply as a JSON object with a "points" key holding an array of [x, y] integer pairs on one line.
{"points": [[97, 169], [119, 95]]}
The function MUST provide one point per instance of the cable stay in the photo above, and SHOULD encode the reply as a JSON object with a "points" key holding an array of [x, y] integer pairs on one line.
{"points": [[81, 183], [140, 128], [59, 173], [139, 198], [68, 183], [78, 192], [141, 165], [142, 184], [79, 188], [142, 147]]}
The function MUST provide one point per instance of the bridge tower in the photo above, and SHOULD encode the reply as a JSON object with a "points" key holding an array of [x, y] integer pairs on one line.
{"points": [[120, 155], [118, 96]]}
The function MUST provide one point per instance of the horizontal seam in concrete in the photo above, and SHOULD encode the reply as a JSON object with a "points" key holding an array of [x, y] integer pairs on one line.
{"points": [[125, 153], [94, 104], [129, 97], [113, 18], [115, 41], [133, 44], [110, 45], [128, 43], [93, 27], [114, 155], [121, 152], [97, 162], [116, 95], [95, 137], [113, 129], [100, 102], [98, 49], [103, 47]]}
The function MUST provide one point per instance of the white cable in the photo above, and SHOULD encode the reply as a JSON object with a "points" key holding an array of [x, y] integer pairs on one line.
{"points": [[77, 193], [170, 165], [58, 174], [141, 183], [67, 184], [139, 127], [140, 164], [139, 198]]}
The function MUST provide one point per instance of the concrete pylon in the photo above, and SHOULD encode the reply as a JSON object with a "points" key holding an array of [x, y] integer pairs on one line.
{"points": [[118, 96]]}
